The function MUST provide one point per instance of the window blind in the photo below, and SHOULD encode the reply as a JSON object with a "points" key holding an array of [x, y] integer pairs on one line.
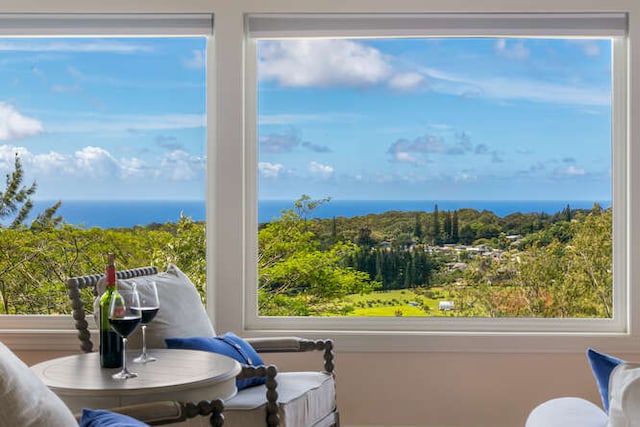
{"points": [[150, 24], [439, 24]]}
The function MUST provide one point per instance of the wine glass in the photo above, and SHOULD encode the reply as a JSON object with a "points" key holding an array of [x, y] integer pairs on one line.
{"points": [[149, 306], [124, 317]]}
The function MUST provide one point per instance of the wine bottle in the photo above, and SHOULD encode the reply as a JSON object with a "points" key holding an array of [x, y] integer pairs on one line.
{"points": [[110, 341]]}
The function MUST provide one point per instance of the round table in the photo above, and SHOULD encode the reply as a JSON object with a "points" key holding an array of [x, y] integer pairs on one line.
{"points": [[182, 375]]}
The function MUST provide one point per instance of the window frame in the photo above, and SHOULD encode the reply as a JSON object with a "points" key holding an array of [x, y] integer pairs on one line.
{"points": [[57, 332], [417, 334]]}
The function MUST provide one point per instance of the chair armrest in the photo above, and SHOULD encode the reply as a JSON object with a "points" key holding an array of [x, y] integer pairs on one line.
{"points": [[169, 412], [295, 344], [269, 372]]}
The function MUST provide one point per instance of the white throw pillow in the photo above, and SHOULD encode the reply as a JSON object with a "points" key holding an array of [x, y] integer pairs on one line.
{"points": [[181, 313], [26, 401], [624, 396]]}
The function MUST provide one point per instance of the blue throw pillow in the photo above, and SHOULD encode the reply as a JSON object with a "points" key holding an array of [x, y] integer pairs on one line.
{"points": [[602, 365], [229, 345], [102, 418]]}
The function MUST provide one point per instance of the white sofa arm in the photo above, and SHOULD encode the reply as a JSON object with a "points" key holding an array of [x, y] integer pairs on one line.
{"points": [[567, 412]]}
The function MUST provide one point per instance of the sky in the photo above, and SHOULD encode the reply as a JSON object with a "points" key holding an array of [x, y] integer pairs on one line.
{"points": [[378, 119], [435, 119]]}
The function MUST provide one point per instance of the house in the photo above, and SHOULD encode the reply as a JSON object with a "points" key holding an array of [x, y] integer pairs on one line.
{"points": [[385, 378]]}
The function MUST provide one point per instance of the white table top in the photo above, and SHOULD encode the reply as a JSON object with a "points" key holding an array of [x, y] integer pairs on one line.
{"points": [[176, 375]]}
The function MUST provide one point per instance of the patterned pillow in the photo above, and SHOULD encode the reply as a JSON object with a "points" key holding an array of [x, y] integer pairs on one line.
{"points": [[181, 311]]}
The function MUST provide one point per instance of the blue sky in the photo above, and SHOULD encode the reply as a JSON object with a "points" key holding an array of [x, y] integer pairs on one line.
{"points": [[435, 119], [108, 118], [427, 119]]}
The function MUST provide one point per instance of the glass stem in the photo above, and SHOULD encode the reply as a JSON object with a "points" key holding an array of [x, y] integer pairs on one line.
{"points": [[144, 341], [124, 354]]}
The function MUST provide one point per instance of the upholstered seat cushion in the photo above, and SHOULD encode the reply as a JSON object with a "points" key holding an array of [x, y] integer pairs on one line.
{"points": [[567, 412], [304, 399]]}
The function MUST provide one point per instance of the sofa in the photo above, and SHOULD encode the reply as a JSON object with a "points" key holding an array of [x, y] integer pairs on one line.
{"points": [[618, 382]]}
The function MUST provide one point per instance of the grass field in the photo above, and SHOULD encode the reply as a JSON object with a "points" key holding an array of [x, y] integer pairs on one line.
{"points": [[392, 303]]}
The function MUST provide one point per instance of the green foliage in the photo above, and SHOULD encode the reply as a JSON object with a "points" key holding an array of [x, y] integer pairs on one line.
{"points": [[291, 264]]}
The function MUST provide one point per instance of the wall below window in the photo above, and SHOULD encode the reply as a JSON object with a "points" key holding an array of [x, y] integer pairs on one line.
{"points": [[440, 389]]}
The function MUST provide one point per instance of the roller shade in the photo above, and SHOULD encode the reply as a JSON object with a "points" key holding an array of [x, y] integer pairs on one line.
{"points": [[106, 24], [429, 25]]}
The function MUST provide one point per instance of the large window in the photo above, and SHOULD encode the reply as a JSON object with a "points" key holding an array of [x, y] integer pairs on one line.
{"points": [[450, 169], [103, 140]]}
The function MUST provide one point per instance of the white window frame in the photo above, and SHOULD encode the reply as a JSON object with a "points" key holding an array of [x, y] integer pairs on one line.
{"points": [[504, 334], [58, 332]]}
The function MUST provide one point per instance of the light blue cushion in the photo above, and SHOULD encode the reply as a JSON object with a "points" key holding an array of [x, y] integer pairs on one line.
{"points": [[229, 345], [602, 365], [102, 418]]}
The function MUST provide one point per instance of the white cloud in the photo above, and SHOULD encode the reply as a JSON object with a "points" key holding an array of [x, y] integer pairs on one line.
{"points": [[197, 60], [571, 171], [406, 81], [513, 50], [36, 45], [510, 89], [92, 123], [179, 165], [588, 47], [96, 162], [325, 171], [270, 170], [14, 125], [305, 63], [405, 157]]}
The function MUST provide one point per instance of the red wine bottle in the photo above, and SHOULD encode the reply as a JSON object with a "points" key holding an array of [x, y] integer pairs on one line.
{"points": [[110, 341]]}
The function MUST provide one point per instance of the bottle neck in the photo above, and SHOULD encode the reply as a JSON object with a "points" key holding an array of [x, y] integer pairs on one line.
{"points": [[111, 276]]}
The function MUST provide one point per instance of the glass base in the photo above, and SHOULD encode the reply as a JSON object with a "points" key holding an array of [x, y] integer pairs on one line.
{"points": [[144, 358], [123, 375]]}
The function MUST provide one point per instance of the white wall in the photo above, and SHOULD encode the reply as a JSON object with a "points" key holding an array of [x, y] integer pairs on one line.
{"points": [[440, 389], [470, 389]]}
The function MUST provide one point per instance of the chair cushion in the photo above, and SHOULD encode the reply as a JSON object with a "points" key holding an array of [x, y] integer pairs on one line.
{"points": [[181, 311], [624, 396], [26, 401], [304, 399], [567, 412], [229, 345], [102, 418]]}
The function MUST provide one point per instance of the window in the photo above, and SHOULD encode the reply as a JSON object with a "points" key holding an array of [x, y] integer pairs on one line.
{"points": [[107, 115], [436, 115]]}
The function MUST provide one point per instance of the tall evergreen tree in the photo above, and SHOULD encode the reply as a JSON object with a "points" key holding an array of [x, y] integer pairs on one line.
{"points": [[447, 227], [455, 227], [417, 230], [435, 229]]}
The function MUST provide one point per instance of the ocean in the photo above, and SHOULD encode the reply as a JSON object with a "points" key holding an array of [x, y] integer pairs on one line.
{"points": [[113, 214]]}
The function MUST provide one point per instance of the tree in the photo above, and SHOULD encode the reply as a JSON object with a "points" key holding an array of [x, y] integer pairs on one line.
{"points": [[417, 229], [295, 277], [448, 227], [16, 201], [435, 230], [455, 233]]}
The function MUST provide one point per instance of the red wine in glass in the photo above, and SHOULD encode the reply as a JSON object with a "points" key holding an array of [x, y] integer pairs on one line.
{"points": [[124, 319]]}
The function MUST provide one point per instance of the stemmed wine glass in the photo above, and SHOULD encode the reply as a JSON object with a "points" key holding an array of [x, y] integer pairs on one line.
{"points": [[124, 316], [149, 306]]}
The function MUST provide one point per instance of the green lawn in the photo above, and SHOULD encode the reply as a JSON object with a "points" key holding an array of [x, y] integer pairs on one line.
{"points": [[391, 303]]}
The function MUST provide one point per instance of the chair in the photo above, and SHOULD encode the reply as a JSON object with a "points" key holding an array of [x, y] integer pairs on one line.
{"points": [[287, 399]]}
